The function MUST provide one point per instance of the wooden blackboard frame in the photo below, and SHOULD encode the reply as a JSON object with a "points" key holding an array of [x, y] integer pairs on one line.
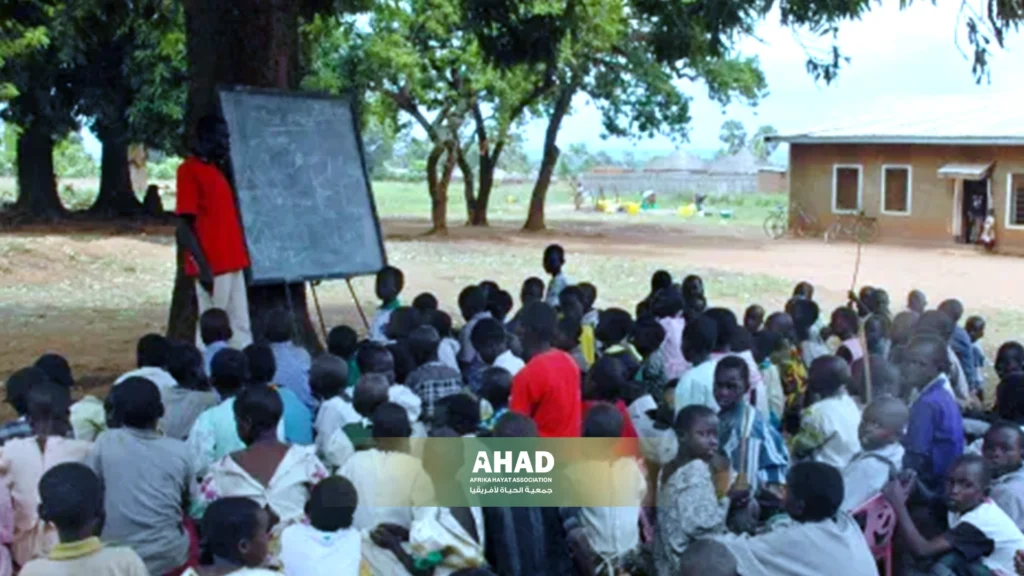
{"points": [[352, 101]]}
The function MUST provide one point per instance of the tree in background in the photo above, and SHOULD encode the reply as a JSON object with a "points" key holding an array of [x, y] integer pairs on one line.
{"points": [[761, 146], [734, 136]]}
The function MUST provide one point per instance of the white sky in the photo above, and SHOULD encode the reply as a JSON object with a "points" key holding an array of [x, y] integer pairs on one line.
{"points": [[896, 56]]}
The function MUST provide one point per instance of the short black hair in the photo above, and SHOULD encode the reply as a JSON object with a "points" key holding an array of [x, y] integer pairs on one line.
{"points": [[667, 303], [613, 326], [935, 322], [876, 330], [138, 404], [903, 326], [975, 460], [742, 340], [804, 289], [727, 324], [660, 279], [185, 365], [328, 375], [532, 290], [402, 360], [57, 369], [733, 362], [648, 334], [215, 326], [827, 374], [570, 293], [423, 343], [261, 406], [538, 319], [278, 325], [489, 287], [499, 304], [515, 425], [688, 416], [370, 392], [390, 274], [460, 412], [766, 343], [568, 331], [1010, 398], [589, 292], [262, 365], [402, 322], [607, 377], [18, 385], [1008, 425], [153, 350], [425, 302], [70, 496], [952, 308], [848, 317], [48, 401], [391, 421], [472, 301], [820, 488], [488, 338], [603, 421], [781, 323], [805, 314], [700, 334], [555, 249], [332, 503], [342, 341], [227, 522], [707, 557], [495, 386], [441, 322], [229, 370], [373, 357], [974, 323]]}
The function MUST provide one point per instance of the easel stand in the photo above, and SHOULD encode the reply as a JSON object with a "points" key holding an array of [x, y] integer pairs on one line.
{"points": [[316, 302]]}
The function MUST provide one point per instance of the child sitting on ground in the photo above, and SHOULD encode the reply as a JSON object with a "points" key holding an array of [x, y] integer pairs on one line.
{"points": [[828, 428], [292, 361], [612, 533], [727, 331], [23, 461], [460, 413], [554, 261], [753, 319], [215, 332], [425, 302], [975, 327], [648, 337], [328, 545], [590, 314], [1004, 442], [152, 358], [497, 385], [846, 326], [238, 538], [448, 349], [191, 397], [87, 418], [567, 339], [981, 538], [881, 428], [697, 385], [343, 342], [369, 394], [297, 418], [71, 499], [17, 387], [328, 379], [389, 285], [769, 345], [604, 384], [489, 340], [613, 331], [431, 380], [531, 291], [667, 307]]}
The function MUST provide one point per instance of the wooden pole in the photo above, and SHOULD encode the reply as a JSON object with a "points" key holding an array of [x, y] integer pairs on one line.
{"points": [[359, 306]]}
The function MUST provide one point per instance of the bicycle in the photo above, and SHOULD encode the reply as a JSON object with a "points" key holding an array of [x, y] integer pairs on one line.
{"points": [[859, 228], [777, 223]]}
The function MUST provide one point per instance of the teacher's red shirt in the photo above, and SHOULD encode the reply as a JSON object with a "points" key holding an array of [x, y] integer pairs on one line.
{"points": [[547, 389], [204, 192]]}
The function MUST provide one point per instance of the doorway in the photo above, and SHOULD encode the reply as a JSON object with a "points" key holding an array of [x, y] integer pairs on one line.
{"points": [[973, 209]]}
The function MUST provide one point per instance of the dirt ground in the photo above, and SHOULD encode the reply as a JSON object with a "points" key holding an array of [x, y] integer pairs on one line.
{"points": [[90, 292]]}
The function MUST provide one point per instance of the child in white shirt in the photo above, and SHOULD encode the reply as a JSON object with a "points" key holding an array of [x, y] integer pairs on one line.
{"points": [[328, 544], [881, 429], [828, 428]]}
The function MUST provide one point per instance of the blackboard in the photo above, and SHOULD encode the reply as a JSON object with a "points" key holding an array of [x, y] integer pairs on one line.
{"points": [[303, 193]]}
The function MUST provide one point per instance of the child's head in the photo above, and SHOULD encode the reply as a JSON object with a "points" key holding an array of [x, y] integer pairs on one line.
{"points": [[423, 343], [975, 327], [515, 425], [845, 323], [342, 341], [804, 314], [903, 327], [883, 422], [828, 376], [1009, 359], [554, 259], [404, 363], [804, 291], [885, 378], [937, 323], [605, 379], [370, 392], [967, 483], [589, 292], [236, 529], [185, 365], [229, 372], [390, 282], [258, 410], [472, 301], [490, 287], [881, 302], [18, 386], [568, 331], [782, 323], [768, 346], [214, 326], [732, 381], [262, 365], [495, 387], [648, 335], [707, 557], [375, 358], [488, 338], [499, 304], [699, 337], [693, 287], [570, 301], [815, 492], [660, 280], [440, 321], [727, 326], [536, 326], [866, 301], [424, 302], [613, 326], [49, 409], [390, 421], [402, 322], [71, 498], [924, 359], [460, 412], [952, 308], [331, 504], [532, 291], [917, 301], [753, 318], [1010, 398], [696, 427], [57, 369], [152, 350], [328, 376], [1003, 447], [603, 421], [876, 333], [667, 303], [138, 404]]}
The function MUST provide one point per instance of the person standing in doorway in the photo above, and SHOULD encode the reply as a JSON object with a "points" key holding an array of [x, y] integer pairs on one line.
{"points": [[211, 232]]}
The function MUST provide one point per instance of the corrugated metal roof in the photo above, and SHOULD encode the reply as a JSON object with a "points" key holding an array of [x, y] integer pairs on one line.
{"points": [[964, 120]]}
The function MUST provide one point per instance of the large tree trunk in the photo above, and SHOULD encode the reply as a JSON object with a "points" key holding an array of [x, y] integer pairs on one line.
{"points": [[251, 43], [438, 195], [37, 185], [478, 217], [467, 182], [116, 198], [535, 217]]}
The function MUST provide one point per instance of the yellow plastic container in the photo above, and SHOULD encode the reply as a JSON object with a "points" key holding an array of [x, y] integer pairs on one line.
{"points": [[632, 208], [688, 211]]}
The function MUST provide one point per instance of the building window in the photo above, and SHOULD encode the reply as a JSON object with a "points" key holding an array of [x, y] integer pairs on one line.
{"points": [[1015, 201], [896, 184], [847, 186]]}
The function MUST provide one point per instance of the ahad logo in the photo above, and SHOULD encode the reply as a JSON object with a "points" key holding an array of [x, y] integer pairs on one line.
{"points": [[543, 462]]}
